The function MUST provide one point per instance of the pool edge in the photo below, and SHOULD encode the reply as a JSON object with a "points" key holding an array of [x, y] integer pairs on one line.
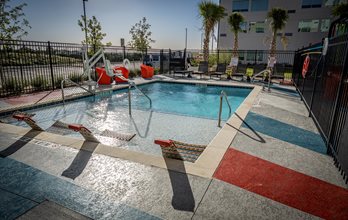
{"points": [[206, 164]]}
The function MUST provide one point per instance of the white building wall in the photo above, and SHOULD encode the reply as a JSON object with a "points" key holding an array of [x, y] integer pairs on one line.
{"points": [[256, 41]]}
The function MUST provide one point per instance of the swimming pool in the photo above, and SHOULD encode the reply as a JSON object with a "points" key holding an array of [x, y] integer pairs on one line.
{"points": [[184, 112]]}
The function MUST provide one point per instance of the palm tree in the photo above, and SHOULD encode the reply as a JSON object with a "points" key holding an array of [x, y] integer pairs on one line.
{"points": [[211, 14], [340, 10], [234, 21], [278, 18]]}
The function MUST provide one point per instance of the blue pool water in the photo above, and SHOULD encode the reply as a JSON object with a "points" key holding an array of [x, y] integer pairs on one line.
{"points": [[183, 112], [185, 99]]}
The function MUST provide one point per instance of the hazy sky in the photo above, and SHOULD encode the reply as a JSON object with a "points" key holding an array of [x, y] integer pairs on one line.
{"points": [[56, 20]]}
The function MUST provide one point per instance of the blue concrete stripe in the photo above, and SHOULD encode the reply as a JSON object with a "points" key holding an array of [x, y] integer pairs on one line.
{"points": [[37, 185], [286, 132], [13, 206], [286, 90]]}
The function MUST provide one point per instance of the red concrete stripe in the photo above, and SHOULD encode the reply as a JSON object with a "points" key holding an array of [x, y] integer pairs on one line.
{"points": [[283, 185]]}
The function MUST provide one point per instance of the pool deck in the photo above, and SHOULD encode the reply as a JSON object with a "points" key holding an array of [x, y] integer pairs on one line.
{"points": [[268, 161]]}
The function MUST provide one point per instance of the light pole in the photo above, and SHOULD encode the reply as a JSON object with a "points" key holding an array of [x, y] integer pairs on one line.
{"points": [[185, 38], [85, 20]]}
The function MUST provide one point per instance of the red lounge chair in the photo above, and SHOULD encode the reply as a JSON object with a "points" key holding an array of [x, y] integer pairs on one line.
{"points": [[146, 71]]}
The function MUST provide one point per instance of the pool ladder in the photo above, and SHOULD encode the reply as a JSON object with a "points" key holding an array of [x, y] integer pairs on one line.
{"points": [[222, 95], [130, 85]]}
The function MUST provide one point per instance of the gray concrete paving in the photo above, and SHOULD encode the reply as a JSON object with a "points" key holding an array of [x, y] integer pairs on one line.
{"points": [[226, 201], [51, 211], [156, 191], [172, 195], [286, 154]]}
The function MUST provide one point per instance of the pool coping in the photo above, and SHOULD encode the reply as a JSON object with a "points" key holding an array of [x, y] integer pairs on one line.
{"points": [[205, 165]]}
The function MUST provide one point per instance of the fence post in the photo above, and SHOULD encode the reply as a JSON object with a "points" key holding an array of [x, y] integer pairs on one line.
{"points": [[218, 56], [50, 60], [169, 58], [161, 61], [124, 52]]}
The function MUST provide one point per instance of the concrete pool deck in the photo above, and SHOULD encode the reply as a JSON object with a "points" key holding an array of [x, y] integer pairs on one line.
{"points": [[264, 153]]}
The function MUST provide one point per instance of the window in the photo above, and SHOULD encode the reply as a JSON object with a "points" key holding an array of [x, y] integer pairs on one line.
{"points": [[308, 26], [324, 25], [251, 56], [241, 56], [333, 2], [284, 34], [223, 35], [240, 5], [244, 26], [259, 5], [311, 3], [254, 56], [291, 11], [155, 57], [257, 27]]}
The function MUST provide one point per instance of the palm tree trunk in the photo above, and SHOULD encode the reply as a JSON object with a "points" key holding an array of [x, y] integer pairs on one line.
{"points": [[272, 54], [206, 46], [273, 44], [235, 51]]}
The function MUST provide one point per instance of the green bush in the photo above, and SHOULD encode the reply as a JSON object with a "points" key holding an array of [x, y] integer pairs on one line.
{"points": [[212, 59], [57, 82], [76, 78], [39, 82], [225, 57], [14, 85], [156, 71], [134, 73]]}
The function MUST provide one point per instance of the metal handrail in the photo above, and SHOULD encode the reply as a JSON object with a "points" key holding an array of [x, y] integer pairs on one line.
{"points": [[129, 96], [76, 84], [223, 94]]}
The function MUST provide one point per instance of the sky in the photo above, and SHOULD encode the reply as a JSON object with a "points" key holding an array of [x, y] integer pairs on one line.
{"points": [[56, 20]]}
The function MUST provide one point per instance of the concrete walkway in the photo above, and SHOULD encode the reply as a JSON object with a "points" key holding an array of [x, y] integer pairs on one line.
{"points": [[274, 163]]}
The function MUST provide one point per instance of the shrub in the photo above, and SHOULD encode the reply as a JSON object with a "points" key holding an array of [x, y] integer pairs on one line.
{"points": [[212, 59], [13, 85], [57, 82], [134, 73], [76, 78], [39, 82], [156, 71]]}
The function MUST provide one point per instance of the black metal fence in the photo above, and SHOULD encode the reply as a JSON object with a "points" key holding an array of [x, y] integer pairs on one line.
{"points": [[30, 66], [257, 59], [324, 90]]}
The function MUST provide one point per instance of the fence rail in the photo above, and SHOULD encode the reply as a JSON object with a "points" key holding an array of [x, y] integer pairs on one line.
{"points": [[324, 90], [257, 59], [31, 66]]}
